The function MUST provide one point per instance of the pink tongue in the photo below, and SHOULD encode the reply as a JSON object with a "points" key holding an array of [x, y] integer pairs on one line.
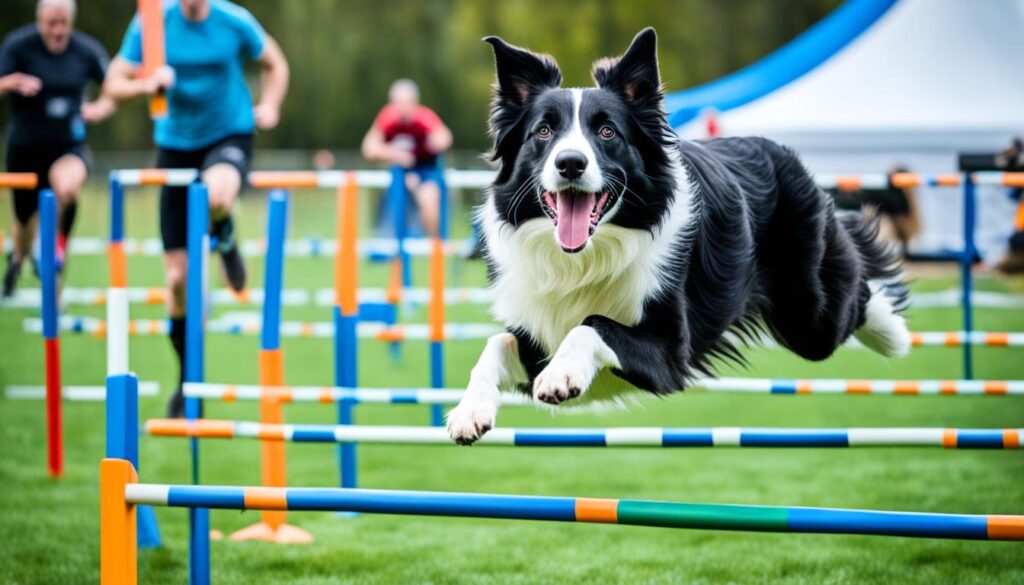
{"points": [[574, 218]]}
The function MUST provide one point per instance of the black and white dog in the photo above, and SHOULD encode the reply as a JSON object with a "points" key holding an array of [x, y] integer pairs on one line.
{"points": [[621, 256]]}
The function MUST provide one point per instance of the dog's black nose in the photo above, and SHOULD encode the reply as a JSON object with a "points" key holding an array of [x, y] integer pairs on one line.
{"points": [[571, 164]]}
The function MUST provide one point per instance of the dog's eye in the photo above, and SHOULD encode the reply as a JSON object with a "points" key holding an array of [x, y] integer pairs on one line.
{"points": [[544, 132], [606, 132]]}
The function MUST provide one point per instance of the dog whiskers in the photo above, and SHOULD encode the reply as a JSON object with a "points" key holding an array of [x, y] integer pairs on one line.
{"points": [[626, 191], [520, 195]]}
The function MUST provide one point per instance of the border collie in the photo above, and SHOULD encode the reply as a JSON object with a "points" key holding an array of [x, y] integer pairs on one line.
{"points": [[621, 257]]}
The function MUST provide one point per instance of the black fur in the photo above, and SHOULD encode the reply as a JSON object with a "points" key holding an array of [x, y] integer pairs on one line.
{"points": [[765, 250]]}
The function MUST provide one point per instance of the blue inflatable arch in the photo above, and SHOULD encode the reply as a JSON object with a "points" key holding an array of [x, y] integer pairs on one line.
{"points": [[793, 60]]}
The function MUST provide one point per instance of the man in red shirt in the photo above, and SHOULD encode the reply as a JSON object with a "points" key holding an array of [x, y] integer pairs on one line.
{"points": [[411, 135]]}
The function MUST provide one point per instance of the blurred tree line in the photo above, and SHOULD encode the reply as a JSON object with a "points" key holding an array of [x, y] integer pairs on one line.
{"points": [[345, 53]]}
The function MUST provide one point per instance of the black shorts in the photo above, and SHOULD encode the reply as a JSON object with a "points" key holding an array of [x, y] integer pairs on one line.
{"points": [[235, 150], [38, 159]]}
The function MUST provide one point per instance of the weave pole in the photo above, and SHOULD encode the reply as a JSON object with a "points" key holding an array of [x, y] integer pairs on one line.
{"points": [[195, 349], [51, 332], [595, 437], [593, 510]]}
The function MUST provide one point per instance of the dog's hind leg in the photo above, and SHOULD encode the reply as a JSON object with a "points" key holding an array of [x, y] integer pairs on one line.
{"points": [[812, 273], [825, 275], [499, 368]]}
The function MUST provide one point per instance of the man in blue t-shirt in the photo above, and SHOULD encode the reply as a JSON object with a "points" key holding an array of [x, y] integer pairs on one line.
{"points": [[45, 68], [209, 125]]}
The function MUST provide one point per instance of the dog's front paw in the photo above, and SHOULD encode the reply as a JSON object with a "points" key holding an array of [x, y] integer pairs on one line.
{"points": [[468, 421], [559, 382]]}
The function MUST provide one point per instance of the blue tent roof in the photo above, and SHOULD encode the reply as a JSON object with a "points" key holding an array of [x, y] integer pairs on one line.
{"points": [[812, 48]]}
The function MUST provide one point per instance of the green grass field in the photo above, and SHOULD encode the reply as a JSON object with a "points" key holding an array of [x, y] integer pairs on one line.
{"points": [[50, 528]]}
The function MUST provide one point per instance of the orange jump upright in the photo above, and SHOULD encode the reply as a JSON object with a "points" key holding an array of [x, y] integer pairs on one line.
{"points": [[272, 526], [118, 539]]}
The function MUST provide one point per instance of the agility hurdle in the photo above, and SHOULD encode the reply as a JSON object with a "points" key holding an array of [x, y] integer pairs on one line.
{"points": [[272, 527], [121, 493], [968, 182], [346, 314], [328, 395], [119, 180], [456, 331], [346, 309], [947, 438], [50, 330]]}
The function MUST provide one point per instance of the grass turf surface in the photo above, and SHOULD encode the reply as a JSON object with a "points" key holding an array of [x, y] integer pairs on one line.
{"points": [[51, 528]]}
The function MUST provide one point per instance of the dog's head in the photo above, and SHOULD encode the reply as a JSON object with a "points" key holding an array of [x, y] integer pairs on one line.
{"points": [[581, 157]]}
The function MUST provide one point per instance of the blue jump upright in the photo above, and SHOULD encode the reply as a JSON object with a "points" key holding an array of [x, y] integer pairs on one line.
{"points": [[966, 262], [195, 303]]}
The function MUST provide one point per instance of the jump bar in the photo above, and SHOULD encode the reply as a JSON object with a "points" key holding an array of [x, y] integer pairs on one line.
{"points": [[596, 437], [590, 510]]}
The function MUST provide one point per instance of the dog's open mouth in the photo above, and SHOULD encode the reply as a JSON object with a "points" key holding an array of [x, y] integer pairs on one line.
{"points": [[576, 215]]}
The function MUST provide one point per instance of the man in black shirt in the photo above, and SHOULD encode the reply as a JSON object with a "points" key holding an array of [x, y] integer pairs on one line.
{"points": [[45, 68]]}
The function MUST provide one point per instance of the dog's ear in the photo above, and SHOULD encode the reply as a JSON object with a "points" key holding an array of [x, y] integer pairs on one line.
{"points": [[522, 75], [635, 74]]}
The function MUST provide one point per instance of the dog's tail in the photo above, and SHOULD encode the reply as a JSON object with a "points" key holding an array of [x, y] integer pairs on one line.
{"points": [[884, 330]]}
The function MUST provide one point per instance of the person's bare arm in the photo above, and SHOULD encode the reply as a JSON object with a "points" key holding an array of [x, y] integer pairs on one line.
{"points": [[20, 83], [374, 147], [121, 83], [439, 139], [98, 109], [273, 85]]}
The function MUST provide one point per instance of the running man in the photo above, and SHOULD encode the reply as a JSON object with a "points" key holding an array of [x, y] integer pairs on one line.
{"points": [[411, 136], [209, 126], [45, 67]]}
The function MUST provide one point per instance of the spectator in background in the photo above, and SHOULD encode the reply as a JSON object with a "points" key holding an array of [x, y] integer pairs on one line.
{"points": [[45, 67], [323, 160], [1012, 160], [410, 135], [896, 208]]}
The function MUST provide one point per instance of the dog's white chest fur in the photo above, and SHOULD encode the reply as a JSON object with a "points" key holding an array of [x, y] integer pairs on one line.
{"points": [[546, 291]]}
